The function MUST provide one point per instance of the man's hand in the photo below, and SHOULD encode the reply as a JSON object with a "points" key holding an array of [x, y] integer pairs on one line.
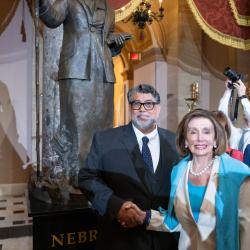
{"points": [[130, 215]]}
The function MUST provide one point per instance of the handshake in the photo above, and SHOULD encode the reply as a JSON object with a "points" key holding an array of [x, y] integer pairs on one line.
{"points": [[130, 215]]}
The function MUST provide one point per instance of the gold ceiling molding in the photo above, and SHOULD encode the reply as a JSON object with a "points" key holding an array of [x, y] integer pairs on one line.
{"points": [[126, 10], [216, 35], [240, 19], [7, 11]]}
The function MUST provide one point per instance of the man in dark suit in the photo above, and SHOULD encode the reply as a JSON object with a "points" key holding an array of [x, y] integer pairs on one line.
{"points": [[86, 72], [121, 170]]}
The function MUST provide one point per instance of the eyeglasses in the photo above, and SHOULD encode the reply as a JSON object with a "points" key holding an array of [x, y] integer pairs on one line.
{"points": [[135, 105]]}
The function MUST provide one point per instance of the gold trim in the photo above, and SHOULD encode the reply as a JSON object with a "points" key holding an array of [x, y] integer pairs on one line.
{"points": [[126, 10], [240, 19], [228, 40]]}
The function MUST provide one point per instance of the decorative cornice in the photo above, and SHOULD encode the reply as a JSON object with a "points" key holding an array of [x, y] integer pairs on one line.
{"points": [[126, 10], [216, 35], [151, 55], [240, 19], [13, 57], [187, 68]]}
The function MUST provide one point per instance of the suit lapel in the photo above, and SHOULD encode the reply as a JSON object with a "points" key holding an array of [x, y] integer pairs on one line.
{"points": [[88, 10], [132, 146], [108, 18], [206, 224], [166, 160], [90, 5]]}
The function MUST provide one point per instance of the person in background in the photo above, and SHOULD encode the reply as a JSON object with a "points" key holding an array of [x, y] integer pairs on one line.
{"points": [[240, 137], [223, 120], [209, 199], [129, 165]]}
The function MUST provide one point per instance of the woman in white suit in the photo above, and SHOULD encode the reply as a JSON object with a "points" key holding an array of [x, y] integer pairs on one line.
{"points": [[209, 200]]}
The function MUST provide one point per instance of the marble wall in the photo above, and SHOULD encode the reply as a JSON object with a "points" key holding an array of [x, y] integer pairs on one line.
{"points": [[15, 101]]}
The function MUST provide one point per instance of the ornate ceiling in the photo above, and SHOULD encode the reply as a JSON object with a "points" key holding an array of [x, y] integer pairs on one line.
{"points": [[123, 8], [229, 26], [226, 21]]}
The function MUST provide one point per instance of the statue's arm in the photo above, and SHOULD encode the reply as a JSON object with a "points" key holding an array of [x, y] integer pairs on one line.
{"points": [[53, 15], [116, 41]]}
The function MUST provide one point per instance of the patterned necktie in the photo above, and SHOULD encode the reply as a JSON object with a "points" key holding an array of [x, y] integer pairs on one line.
{"points": [[146, 155]]}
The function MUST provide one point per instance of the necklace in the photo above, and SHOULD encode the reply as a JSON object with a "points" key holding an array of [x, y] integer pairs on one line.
{"points": [[201, 172]]}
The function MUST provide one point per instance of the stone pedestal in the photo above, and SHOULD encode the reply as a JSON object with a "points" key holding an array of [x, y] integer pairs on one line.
{"points": [[63, 226]]}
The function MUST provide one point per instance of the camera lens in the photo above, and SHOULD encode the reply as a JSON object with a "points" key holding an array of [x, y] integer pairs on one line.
{"points": [[231, 74]]}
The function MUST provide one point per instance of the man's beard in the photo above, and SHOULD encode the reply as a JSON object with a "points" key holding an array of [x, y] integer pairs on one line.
{"points": [[143, 125]]}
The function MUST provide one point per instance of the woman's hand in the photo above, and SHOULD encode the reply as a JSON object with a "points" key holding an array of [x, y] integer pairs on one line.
{"points": [[240, 87]]}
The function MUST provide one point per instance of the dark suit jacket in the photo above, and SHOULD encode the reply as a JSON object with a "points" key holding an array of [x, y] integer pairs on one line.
{"points": [[115, 172], [79, 35]]}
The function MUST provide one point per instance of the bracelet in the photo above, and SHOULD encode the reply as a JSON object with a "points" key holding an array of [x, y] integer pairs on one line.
{"points": [[241, 97]]}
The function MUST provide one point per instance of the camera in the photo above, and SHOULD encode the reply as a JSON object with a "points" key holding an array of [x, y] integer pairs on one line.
{"points": [[233, 76]]}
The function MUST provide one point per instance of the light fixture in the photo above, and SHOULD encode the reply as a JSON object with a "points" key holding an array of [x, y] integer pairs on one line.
{"points": [[144, 15], [194, 99]]}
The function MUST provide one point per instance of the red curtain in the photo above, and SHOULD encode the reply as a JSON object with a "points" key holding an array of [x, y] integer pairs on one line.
{"points": [[243, 7], [226, 21], [117, 4]]}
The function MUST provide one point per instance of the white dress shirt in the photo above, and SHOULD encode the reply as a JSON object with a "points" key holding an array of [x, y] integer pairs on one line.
{"points": [[153, 144]]}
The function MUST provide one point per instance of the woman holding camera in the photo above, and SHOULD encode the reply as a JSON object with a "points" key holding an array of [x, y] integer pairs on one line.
{"points": [[240, 137]]}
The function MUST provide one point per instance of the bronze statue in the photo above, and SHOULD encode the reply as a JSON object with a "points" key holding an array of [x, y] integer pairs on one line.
{"points": [[86, 73]]}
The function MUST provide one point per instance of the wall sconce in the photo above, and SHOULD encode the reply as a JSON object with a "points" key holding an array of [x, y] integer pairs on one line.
{"points": [[192, 101]]}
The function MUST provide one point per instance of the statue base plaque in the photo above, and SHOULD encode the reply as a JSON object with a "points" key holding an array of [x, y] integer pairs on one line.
{"points": [[62, 226]]}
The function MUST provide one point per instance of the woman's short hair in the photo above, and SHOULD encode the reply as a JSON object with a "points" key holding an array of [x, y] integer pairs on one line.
{"points": [[222, 119], [181, 134]]}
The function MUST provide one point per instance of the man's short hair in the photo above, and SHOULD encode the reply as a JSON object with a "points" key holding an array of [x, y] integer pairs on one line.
{"points": [[143, 89]]}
